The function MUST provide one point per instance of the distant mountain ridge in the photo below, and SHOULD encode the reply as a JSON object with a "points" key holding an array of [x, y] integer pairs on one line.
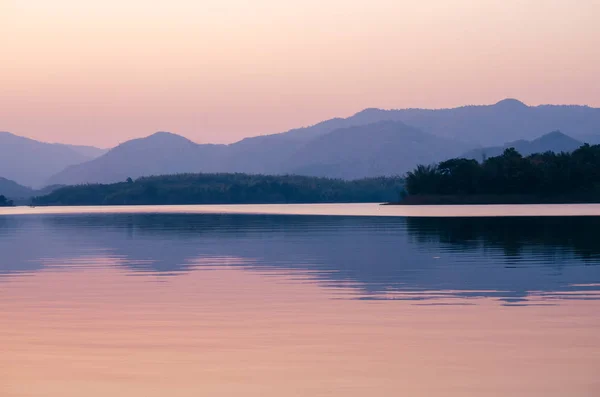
{"points": [[161, 153], [13, 190], [492, 125], [365, 144], [21, 194], [555, 141], [88, 151], [384, 148], [31, 163]]}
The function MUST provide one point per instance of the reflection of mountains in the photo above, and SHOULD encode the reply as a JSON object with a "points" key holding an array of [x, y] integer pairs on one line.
{"points": [[377, 255]]}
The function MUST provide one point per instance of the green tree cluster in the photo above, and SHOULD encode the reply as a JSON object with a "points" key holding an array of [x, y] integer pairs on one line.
{"points": [[4, 202], [226, 189], [544, 175]]}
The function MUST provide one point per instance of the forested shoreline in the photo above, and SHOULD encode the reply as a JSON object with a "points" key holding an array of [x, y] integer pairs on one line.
{"points": [[509, 178], [506, 179], [5, 202], [226, 189]]}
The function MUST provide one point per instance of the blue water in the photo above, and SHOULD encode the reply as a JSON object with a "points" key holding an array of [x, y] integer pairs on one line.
{"points": [[189, 304]]}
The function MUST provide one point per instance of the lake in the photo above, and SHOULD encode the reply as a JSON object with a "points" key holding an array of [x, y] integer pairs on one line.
{"points": [[293, 301]]}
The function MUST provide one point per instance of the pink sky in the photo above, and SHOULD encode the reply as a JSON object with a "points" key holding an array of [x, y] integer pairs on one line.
{"points": [[102, 72]]}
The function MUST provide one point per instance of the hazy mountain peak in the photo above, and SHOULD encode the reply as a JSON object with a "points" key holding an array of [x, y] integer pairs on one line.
{"points": [[370, 111], [166, 136], [30, 162], [511, 103], [5, 135], [158, 140], [554, 141], [371, 142], [385, 147], [89, 151], [12, 189], [554, 134], [157, 154], [557, 138]]}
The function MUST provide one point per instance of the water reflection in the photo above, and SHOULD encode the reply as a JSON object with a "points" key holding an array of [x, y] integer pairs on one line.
{"points": [[416, 259], [222, 305], [550, 237]]}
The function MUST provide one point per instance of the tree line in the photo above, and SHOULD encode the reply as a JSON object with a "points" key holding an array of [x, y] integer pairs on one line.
{"points": [[226, 189], [4, 202], [549, 174]]}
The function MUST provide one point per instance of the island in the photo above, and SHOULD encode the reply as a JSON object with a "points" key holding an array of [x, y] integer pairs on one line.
{"points": [[226, 188], [541, 178]]}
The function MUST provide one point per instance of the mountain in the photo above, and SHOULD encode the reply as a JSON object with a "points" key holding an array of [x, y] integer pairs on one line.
{"points": [[22, 194], [344, 147], [31, 163], [382, 148], [158, 154], [492, 125], [13, 190], [88, 151], [271, 153], [552, 142]]}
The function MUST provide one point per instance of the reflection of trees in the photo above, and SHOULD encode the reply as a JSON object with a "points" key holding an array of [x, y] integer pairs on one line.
{"points": [[373, 255], [513, 235]]}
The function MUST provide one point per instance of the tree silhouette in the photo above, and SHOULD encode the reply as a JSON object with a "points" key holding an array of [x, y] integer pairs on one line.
{"points": [[554, 176], [4, 202], [227, 189]]}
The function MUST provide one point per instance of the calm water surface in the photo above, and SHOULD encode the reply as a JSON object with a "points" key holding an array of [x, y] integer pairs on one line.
{"points": [[368, 209], [191, 304]]}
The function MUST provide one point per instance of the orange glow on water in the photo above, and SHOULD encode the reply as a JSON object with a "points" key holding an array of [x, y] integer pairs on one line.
{"points": [[221, 331]]}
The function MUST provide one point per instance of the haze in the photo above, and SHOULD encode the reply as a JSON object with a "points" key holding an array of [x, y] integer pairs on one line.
{"points": [[102, 72]]}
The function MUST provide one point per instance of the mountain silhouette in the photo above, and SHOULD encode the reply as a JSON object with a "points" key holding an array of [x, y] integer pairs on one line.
{"points": [[556, 142], [353, 147], [22, 195], [31, 163], [13, 190], [157, 154], [493, 125], [382, 148]]}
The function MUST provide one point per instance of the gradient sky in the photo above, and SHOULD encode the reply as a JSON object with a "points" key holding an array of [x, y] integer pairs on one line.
{"points": [[102, 72]]}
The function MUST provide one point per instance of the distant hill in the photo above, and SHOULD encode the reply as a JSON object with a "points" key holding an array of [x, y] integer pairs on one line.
{"points": [[382, 148], [13, 190], [270, 154], [507, 120], [343, 147], [552, 142], [88, 151], [488, 125], [31, 163], [158, 154], [22, 194]]}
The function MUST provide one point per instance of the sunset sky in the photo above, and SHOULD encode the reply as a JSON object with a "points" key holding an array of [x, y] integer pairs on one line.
{"points": [[102, 72]]}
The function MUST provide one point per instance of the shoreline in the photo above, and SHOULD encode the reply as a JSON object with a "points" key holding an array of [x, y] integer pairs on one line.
{"points": [[493, 200], [361, 210]]}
